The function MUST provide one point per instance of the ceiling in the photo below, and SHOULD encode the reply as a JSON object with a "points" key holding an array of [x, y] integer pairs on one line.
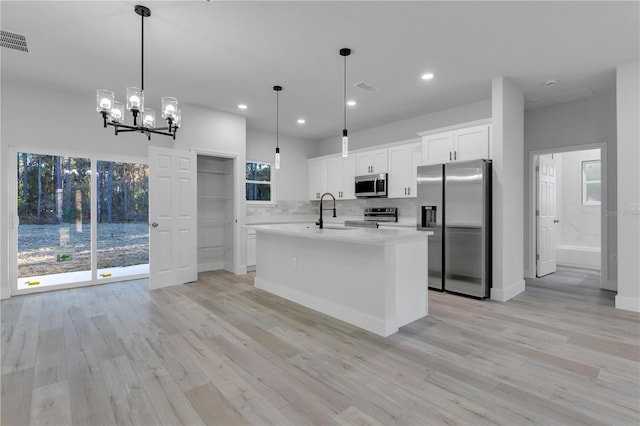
{"points": [[219, 54]]}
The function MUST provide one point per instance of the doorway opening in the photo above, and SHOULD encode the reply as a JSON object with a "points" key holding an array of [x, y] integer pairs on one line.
{"points": [[568, 234]]}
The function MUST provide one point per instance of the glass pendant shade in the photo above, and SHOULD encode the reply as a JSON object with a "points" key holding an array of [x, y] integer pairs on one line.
{"points": [[277, 158], [169, 107], [135, 99], [104, 100], [345, 143], [117, 112], [177, 120], [149, 118]]}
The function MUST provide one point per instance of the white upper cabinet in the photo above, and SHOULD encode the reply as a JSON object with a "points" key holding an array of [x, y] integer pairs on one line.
{"points": [[370, 162], [340, 177], [462, 144], [437, 148], [317, 178], [471, 143], [332, 174], [403, 163]]}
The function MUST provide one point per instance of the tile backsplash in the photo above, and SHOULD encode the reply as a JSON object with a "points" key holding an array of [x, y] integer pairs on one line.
{"points": [[406, 207]]}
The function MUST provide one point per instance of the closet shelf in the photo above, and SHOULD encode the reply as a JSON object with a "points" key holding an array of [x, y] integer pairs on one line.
{"points": [[214, 247], [214, 197], [213, 172]]}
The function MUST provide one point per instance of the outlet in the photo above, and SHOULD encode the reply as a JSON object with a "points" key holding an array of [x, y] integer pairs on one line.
{"points": [[614, 258], [294, 262]]}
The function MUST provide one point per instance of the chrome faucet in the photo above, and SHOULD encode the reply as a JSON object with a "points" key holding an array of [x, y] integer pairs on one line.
{"points": [[320, 222]]}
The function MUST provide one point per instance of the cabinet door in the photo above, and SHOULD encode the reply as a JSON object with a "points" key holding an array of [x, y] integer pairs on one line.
{"points": [[437, 148], [317, 178], [379, 161], [334, 176], [399, 159], [416, 160], [348, 181], [471, 143], [363, 163]]}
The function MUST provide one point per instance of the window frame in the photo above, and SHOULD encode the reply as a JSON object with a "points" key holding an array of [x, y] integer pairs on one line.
{"points": [[585, 183], [271, 183]]}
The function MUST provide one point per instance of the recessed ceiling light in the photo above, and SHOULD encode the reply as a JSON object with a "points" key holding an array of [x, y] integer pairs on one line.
{"points": [[351, 103], [242, 106], [301, 121], [427, 76]]}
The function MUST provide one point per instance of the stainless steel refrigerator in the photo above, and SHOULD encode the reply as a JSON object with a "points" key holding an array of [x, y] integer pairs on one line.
{"points": [[454, 201]]}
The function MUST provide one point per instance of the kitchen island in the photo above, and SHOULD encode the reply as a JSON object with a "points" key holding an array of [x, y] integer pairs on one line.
{"points": [[375, 279]]}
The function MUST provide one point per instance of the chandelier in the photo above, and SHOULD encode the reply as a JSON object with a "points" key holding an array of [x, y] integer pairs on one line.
{"points": [[113, 112]]}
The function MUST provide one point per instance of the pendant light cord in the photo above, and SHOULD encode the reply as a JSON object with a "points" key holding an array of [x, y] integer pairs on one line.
{"points": [[345, 92], [277, 116], [142, 55]]}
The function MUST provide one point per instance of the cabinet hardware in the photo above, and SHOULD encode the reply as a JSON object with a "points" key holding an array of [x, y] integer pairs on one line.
{"points": [[450, 156], [455, 155], [409, 191], [405, 191]]}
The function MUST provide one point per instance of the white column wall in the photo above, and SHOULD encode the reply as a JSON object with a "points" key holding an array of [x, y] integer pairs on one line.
{"points": [[628, 212], [507, 148]]}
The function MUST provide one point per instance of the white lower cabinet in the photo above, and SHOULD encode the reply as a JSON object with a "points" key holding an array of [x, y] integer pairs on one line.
{"points": [[403, 163]]}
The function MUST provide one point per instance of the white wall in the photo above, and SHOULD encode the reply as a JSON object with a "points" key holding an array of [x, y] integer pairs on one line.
{"points": [[291, 179], [507, 144], [406, 129], [78, 128], [579, 224], [628, 206], [561, 127]]}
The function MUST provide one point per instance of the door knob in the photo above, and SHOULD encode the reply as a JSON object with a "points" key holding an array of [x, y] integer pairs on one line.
{"points": [[154, 224]]}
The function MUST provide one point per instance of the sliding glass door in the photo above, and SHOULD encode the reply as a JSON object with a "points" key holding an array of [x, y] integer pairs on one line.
{"points": [[80, 220], [122, 219]]}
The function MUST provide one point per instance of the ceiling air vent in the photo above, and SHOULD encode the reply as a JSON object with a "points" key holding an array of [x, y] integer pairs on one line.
{"points": [[367, 87], [13, 41]]}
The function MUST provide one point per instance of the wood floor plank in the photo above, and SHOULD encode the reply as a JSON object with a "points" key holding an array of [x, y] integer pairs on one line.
{"points": [[17, 392], [86, 385], [169, 402], [127, 398], [213, 407], [51, 405]]}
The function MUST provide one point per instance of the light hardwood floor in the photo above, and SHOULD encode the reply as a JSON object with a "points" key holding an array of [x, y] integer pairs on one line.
{"points": [[221, 352]]}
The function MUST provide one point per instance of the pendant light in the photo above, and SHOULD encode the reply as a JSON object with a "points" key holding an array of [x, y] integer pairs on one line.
{"points": [[277, 89], [344, 52]]}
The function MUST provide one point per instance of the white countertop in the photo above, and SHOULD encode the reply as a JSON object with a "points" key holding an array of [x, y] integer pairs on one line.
{"points": [[340, 233], [404, 222]]}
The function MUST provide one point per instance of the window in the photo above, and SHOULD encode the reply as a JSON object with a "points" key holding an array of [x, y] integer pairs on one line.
{"points": [[591, 183], [258, 182]]}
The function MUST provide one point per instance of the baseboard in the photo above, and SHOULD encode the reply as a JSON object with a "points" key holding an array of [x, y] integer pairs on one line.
{"points": [[211, 266], [628, 303], [5, 293], [504, 294]]}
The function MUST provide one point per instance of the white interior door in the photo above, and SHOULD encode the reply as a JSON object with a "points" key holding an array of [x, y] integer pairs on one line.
{"points": [[173, 255], [546, 215]]}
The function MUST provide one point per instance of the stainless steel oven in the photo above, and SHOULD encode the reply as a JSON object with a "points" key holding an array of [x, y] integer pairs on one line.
{"points": [[371, 185]]}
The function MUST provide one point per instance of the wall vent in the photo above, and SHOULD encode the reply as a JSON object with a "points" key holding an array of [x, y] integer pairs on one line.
{"points": [[367, 87], [13, 41]]}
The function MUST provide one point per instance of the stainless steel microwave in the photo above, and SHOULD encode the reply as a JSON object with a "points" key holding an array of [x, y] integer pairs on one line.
{"points": [[371, 185]]}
